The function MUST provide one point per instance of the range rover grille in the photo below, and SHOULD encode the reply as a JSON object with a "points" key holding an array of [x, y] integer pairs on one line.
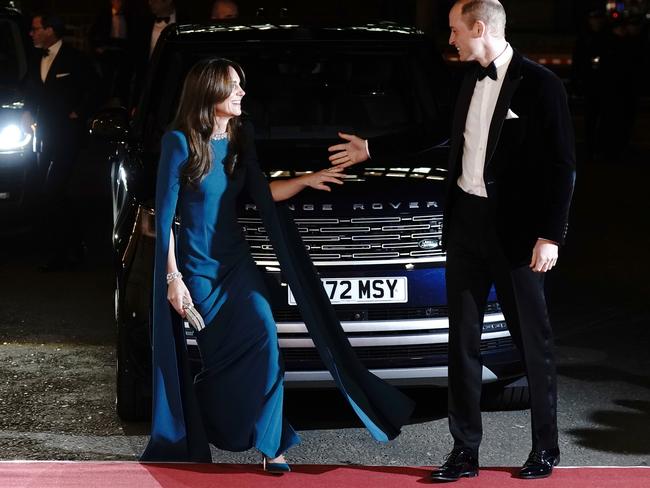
{"points": [[357, 240], [354, 314], [307, 359]]}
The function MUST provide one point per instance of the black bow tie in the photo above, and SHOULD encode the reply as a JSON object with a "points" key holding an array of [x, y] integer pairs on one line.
{"points": [[490, 70], [163, 19], [45, 52]]}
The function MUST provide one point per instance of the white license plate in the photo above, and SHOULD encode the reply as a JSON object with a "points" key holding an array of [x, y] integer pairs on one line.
{"points": [[392, 289]]}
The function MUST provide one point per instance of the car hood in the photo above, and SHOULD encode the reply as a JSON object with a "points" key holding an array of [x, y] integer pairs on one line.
{"points": [[362, 195]]}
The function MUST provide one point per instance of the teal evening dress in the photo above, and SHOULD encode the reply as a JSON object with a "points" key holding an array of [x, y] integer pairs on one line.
{"points": [[236, 400]]}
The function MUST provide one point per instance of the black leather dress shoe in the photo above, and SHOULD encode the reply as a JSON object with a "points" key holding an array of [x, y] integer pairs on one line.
{"points": [[540, 463], [460, 462]]}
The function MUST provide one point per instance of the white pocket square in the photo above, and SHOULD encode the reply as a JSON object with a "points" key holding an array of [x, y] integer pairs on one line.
{"points": [[511, 115], [61, 75]]}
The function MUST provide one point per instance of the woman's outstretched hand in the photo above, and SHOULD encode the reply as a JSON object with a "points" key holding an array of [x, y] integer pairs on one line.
{"points": [[284, 189], [320, 179], [177, 295]]}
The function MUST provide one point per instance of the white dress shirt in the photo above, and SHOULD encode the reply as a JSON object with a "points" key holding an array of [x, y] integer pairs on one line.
{"points": [[477, 126], [46, 61], [157, 29]]}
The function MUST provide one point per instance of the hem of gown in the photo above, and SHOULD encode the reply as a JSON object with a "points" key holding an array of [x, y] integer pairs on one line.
{"points": [[281, 450], [261, 449]]}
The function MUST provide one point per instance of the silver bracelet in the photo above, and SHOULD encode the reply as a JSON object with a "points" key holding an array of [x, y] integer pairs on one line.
{"points": [[172, 276]]}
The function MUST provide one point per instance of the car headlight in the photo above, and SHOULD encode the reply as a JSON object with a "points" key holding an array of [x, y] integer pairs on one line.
{"points": [[12, 137]]}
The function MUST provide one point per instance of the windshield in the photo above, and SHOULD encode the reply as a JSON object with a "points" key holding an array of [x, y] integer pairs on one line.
{"points": [[309, 91], [13, 63]]}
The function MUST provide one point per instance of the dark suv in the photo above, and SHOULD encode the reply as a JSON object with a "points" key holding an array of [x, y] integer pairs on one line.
{"points": [[375, 241], [21, 172]]}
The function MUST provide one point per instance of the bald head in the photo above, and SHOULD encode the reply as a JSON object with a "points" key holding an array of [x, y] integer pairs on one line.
{"points": [[478, 30], [224, 9], [490, 12]]}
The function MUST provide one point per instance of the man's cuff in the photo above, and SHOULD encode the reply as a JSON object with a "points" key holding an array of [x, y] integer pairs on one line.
{"points": [[551, 241], [367, 149]]}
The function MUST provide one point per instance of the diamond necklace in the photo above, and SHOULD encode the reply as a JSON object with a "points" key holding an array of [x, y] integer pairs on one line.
{"points": [[219, 136]]}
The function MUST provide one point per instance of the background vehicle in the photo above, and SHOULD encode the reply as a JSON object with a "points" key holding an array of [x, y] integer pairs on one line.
{"points": [[21, 171], [375, 242]]}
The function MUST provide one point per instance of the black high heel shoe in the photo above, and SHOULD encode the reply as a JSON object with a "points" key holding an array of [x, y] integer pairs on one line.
{"points": [[275, 468]]}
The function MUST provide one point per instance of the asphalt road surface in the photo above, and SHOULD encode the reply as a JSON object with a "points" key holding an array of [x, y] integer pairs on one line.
{"points": [[57, 353]]}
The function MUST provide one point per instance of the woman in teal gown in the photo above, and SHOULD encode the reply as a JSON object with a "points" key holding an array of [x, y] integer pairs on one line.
{"points": [[236, 401]]}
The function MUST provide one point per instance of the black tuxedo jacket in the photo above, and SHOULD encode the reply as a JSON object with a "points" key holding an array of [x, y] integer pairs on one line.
{"points": [[530, 160], [141, 45], [69, 87]]}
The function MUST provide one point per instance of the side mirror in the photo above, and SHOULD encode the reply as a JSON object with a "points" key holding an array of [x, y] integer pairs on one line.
{"points": [[111, 125]]}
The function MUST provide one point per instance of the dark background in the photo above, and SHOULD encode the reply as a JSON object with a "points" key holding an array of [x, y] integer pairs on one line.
{"points": [[524, 16]]}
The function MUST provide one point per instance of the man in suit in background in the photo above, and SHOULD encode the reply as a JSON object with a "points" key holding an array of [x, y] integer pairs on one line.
{"points": [[59, 96], [511, 179], [162, 13]]}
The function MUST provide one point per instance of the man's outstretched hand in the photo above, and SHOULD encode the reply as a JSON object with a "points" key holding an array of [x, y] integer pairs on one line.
{"points": [[349, 153]]}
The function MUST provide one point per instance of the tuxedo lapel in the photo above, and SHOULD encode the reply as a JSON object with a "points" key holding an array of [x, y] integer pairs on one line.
{"points": [[460, 115], [58, 60], [510, 85]]}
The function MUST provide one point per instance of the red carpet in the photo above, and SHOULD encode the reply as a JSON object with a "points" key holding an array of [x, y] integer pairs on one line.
{"points": [[134, 475]]}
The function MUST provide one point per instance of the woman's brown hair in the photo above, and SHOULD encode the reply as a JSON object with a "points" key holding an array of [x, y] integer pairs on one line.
{"points": [[207, 84]]}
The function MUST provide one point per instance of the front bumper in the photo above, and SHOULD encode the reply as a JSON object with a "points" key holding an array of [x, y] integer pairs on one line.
{"points": [[405, 353], [431, 376]]}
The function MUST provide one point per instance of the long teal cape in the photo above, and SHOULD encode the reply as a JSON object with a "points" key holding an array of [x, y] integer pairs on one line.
{"points": [[176, 430]]}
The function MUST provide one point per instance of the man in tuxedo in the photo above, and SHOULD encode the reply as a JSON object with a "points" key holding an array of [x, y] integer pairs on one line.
{"points": [[511, 179], [59, 94], [162, 14]]}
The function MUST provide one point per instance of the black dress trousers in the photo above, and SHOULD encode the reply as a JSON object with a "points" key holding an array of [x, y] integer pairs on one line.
{"points": [[475, 260]]}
